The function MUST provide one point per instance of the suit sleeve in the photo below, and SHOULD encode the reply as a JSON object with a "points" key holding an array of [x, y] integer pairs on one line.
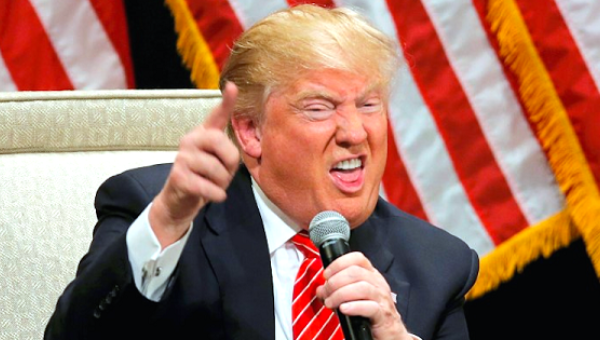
{"points": [[103, 298], [453, 325]]}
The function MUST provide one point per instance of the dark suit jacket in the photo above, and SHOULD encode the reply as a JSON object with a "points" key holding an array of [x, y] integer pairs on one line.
{"points": [[222, 287]]}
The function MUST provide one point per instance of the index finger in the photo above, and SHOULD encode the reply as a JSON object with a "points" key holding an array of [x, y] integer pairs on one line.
{"points": [[353, 258], [220, 115]]}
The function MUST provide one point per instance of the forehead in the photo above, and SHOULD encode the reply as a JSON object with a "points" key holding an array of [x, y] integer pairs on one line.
{"points": [[332, 82]]}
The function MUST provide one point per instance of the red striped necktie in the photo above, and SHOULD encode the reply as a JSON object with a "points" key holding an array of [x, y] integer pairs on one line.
{"points": [[311, 320]]}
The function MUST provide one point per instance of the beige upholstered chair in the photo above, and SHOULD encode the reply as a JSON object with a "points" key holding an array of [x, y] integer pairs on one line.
{"points": [[56, 148]]}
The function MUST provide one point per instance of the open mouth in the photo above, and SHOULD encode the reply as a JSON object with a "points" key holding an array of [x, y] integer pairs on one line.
{"points": [[348, 175]]}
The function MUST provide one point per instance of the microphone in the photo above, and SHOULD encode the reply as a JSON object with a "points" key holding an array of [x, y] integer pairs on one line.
{"points": [[330, 232]]}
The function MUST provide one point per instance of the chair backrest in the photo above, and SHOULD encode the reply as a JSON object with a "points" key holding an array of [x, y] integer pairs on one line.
{"points": [[56, 148]]}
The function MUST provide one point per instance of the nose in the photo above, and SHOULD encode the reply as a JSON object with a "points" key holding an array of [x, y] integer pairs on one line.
{"points": [[350, 127]]}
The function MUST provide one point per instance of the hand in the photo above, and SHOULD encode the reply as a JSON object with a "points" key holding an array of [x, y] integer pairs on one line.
{"points": [[355, 287], [204, 167]]}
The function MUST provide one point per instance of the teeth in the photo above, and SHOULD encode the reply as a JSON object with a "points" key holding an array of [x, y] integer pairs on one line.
{"points": [[348, 164]]}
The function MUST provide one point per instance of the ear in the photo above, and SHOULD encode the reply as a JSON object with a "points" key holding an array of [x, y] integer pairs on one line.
{"points": [[248, 135]]}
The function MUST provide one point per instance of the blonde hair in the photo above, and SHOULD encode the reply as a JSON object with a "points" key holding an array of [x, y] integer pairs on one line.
{"points": [[280, 48]]}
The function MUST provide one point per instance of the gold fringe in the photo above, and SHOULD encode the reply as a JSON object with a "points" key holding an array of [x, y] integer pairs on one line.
{"points": [[550, 118], [193, 48], [513, 255]]}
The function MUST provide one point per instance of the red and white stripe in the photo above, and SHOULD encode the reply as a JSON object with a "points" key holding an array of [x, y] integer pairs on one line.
{"points": [[250, 11], [63, 45], [570, 51], [583, 20], [520, 158], [311, 320]]}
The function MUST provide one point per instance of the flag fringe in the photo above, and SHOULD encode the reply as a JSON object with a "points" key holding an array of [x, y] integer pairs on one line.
{"points": [[193, 47], [551, 120], [513, 255]]}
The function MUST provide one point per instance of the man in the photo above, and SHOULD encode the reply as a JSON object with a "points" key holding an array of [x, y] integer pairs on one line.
{"points": [[205, 248]]}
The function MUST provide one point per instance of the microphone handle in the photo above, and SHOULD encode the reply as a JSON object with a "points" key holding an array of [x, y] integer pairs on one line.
{"points": [[353, 327]]}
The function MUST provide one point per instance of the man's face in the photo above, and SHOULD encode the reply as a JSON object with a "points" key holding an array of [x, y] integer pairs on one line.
{"points": [[323, 144]]}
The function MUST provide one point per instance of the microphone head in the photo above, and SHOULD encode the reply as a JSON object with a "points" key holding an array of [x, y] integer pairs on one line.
{"points": [[328, 225]]}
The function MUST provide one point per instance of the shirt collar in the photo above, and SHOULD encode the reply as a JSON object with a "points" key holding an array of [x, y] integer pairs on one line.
{"points": [[279, 228]]}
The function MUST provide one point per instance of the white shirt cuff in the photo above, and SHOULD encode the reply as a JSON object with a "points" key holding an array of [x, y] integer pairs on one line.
{"points": [[151, 267]]}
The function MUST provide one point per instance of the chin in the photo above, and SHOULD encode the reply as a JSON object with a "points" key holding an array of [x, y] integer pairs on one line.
{"points": [[356, 215]]}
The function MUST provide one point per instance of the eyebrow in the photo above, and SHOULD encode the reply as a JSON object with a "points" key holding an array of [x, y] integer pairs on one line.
{"points": [[331, 97], [314, 94]]}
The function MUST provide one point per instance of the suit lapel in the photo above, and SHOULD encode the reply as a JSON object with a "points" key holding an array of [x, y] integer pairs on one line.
{"points": [[238, 252], [371, 239]]}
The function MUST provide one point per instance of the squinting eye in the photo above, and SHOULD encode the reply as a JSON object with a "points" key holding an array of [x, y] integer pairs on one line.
{"points": [[371, 106], [318, 112], [317, 108]]}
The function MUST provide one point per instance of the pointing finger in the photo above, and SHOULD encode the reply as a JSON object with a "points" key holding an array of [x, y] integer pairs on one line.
{"points": [[221, 114]]}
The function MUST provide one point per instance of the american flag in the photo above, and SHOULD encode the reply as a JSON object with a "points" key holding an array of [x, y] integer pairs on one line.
{"points": [[494, 123], [64, 45]]}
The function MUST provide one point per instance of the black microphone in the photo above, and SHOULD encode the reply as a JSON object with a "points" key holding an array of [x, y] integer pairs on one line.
{"points": [[330, 232]]}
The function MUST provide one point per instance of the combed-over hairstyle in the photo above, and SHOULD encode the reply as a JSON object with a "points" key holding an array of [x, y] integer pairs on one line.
{"points": [[280, 48]]}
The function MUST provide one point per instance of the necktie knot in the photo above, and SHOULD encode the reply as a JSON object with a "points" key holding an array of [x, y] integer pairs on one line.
{"points": [[305, 245]]}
